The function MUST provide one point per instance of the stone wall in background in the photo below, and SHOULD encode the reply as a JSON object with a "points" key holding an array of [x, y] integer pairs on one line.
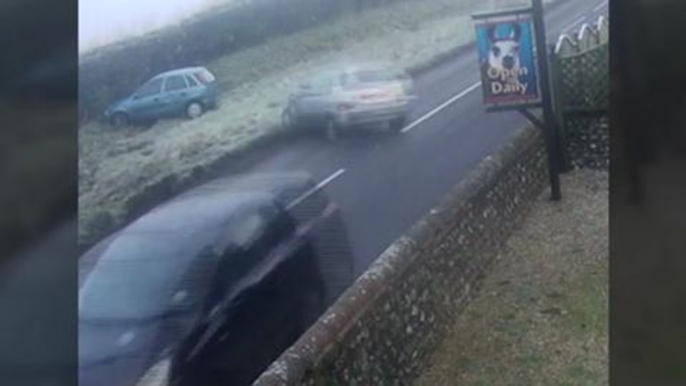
{"points": [[383, 328]]}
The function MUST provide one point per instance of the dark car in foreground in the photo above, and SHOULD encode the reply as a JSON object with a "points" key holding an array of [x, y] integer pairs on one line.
{"points": [[211, 287], [187, 91]]}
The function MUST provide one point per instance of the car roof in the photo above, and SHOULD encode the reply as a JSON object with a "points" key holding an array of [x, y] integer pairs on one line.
{"points": [[200, 212], [283, 187], [351, 67], [214, 202], [180, 71], [207, 205], [365, 66]]}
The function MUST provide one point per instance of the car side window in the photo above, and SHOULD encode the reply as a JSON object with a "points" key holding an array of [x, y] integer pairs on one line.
{"points": [[250, 239], [248, 230], [151, 88], [175, 83], [191, 81]]}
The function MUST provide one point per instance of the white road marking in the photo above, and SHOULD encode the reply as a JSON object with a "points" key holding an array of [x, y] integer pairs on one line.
{"points": [[319, 186], [441, 107], [577, 21], [600, 6]]}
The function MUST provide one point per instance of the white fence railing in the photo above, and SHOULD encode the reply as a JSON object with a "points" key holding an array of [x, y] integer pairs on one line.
{"points": [[588, 37]]}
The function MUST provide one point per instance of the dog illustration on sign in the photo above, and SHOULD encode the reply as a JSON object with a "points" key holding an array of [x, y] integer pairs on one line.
{"points": [[503, 68]]}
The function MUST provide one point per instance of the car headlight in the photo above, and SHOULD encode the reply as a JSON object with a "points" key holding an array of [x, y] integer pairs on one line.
{"points": [[157, 375]]}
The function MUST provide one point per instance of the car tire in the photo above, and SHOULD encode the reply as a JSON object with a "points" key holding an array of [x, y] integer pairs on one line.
{"points": [[194, 110], [120, 120], [396, 125], [332, 129]]}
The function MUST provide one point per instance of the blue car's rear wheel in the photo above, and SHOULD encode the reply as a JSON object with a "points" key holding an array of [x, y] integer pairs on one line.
{"points": [[194, 110]]}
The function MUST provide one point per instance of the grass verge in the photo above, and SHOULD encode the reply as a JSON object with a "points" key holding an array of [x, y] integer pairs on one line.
{"points": [[542, 315]]}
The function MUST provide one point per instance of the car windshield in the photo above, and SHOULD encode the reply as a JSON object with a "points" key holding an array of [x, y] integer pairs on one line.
{"points": [[146, 275]]}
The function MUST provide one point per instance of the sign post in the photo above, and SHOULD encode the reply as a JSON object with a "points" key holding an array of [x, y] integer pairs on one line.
{"points": [[514, 72], [551, 132]]}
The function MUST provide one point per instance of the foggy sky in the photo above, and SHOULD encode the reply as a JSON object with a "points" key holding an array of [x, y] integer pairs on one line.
{"points": [[105, 21]]}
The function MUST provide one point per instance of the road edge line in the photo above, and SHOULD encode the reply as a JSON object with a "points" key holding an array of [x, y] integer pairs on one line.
{"points": [[440, 107]]}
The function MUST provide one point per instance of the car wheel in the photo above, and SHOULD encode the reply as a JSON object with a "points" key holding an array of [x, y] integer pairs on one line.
{"points": [[332, 129], [397, 124], [194, 110], [120, 120]]}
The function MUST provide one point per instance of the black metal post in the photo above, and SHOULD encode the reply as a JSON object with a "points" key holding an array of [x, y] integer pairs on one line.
{"points": [[556, 74], [547, 103]]}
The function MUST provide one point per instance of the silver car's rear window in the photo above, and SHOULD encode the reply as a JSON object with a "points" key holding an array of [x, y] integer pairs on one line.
{"points": [[376, 76], [364, 77]]}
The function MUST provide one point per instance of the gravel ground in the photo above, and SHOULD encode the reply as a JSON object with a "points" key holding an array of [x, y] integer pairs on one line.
{"points": [[541, 317]]}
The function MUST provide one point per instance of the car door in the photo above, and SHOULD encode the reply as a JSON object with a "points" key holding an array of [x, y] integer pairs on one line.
{"points": [[245, 304], [146, 101], [174, 95]]}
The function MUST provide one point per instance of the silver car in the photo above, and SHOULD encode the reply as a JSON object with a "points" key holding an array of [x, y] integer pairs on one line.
{"points": [[351, 95]]}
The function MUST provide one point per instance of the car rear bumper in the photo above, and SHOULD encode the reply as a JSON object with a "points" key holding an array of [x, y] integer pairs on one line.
{"points": [[374, 114]]}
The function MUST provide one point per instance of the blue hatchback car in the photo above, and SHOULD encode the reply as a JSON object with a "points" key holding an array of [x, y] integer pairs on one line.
{"points": [[188, 91]]}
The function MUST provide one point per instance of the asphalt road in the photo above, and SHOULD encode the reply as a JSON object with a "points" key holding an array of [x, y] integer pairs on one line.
{"points": [[384, 183]]}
